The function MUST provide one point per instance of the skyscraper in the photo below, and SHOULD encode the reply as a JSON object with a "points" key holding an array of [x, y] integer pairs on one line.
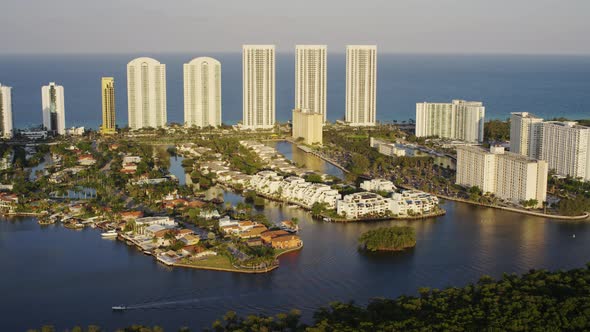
{"points": [[308, 126], [361, 85], [311, 78], [258, 79], [108, 106], [202, 92], [525, 133], [509, 176], [460, 120], [146, 93], [54, 119], [566, 148], [6, 112]]}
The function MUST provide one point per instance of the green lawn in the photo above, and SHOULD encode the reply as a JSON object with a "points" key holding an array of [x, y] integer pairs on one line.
{"points": [[218, 262]]}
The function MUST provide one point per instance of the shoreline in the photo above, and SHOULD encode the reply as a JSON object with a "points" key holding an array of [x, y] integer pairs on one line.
{"points": [[583, 217]]}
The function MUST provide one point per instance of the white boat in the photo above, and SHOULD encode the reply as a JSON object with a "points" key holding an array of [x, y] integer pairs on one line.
{"points": [[119, 308], [109, 234]]}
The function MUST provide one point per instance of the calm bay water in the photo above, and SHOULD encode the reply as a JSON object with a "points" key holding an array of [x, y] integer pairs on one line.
{"points": [[548, 86], [52, 275]]}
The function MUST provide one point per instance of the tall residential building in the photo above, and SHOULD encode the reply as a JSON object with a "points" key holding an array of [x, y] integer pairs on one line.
{"points": [[311, 78], [361, 85], [258, 79], [54, 119], [525, 133], [108, 106], [202, 92], [509, 176], [566, 148], [458, 120], [146, 93], [6, 127], [308, 125]]}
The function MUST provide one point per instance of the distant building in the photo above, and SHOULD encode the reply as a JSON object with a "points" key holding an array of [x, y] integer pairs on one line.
{"points": [[108, 106], [6, 126], [202, 93], [146, 93], [378, 185], [509, 176], [566, 148], [308, 125], [53, 108], [525, 134], [458, 120], [361, 85], [311, 78], [258, 70], [564, 145]]}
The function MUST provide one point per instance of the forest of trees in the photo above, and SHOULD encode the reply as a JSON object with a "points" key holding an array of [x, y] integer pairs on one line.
{"points": [[388, 239]]}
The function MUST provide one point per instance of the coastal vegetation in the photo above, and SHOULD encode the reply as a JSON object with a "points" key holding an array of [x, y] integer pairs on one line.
{"points": [[536, 301], [388, 239]]}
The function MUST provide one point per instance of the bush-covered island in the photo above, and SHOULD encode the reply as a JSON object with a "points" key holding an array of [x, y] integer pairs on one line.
{"points": [[388, 239]]}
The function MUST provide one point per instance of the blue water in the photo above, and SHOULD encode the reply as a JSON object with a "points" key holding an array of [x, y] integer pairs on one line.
{"points": [[545, 85]]}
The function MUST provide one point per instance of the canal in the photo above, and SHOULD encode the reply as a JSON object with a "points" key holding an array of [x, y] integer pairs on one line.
{"points": [[52, 275]]}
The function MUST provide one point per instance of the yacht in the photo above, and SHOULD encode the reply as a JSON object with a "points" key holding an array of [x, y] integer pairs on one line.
{"points": [[109, 234]]}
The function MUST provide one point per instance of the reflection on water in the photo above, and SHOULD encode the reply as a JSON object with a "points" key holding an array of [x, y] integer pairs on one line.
{"points": [[301, 158]]}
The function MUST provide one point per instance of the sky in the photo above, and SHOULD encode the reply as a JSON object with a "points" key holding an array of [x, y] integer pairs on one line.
{"points": [[396, 26]]}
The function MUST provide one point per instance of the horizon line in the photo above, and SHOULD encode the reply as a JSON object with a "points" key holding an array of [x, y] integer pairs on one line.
{"points": [[283, 52]]}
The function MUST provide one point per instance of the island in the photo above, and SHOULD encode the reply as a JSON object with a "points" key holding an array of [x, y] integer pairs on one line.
{"points": [[394, 238]]}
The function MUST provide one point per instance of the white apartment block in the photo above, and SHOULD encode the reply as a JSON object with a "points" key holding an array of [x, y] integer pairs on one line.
{"points": [[368, 204], [566, 148], [202, 92], [53, 108], [525, 134], [6, 126], [458, 120], [146, 93], [378, 185], [258, 80], [509, 176], [361, 85], [311, 78], [308, 125], [294, 189]]}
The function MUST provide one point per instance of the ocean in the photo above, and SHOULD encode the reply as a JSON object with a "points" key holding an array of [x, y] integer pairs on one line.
{"points": [[548, 86]]}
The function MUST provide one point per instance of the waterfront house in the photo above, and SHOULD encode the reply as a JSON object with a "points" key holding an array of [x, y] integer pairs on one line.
{"points": [[150, 231], [8, 202], [269, 235], [286, 242], [131, 215], [253, 232]]}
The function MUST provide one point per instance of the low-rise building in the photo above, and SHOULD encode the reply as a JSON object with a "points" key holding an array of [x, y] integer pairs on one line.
{"points": [[286, 242], [378, 185]]}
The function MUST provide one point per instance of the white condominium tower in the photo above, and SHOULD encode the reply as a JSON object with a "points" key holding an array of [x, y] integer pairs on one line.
{"points": [[146, 93], [6, 112], [202, 92], [311, 78], [509, 176], [53, 108], [258, 80], [525, 133], [458, 120], [361, 85], [566, 148]]}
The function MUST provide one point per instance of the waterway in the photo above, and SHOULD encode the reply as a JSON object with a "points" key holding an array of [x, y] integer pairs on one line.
{"points": [[52, 275]]}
